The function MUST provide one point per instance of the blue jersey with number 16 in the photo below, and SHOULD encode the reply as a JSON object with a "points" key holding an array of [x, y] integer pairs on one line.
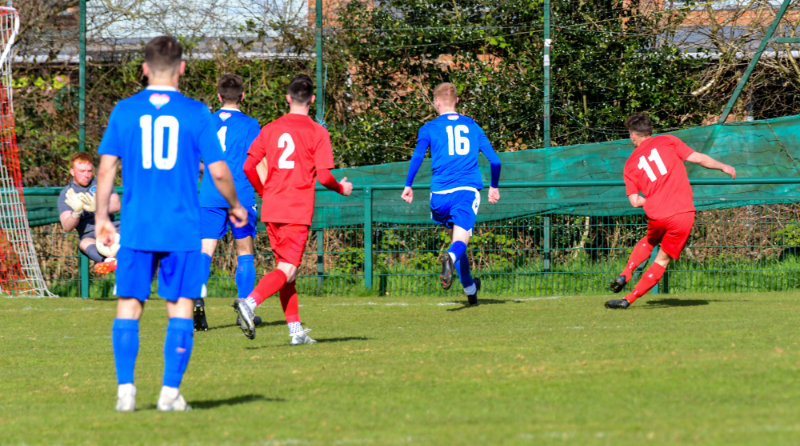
{"points": [[455, 141], [160, 136]]}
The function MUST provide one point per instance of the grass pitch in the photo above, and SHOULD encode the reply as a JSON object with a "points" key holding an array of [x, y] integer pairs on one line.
{"points": [[694, 369]]}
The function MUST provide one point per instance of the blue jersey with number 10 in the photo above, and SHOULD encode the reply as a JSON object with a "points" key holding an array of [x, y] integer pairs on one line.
{"points": [[160, 136], [455, 141]]}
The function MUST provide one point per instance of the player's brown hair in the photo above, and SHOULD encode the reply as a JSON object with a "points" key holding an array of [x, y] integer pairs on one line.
{"points": [[446, 92], [301, 88], [163, 53], [82, 157], [230, 88], [639, 123]]}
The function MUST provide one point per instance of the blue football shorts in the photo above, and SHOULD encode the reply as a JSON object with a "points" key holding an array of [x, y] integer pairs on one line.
{"points": [[456, 207], [180, 273], [214, 223]]}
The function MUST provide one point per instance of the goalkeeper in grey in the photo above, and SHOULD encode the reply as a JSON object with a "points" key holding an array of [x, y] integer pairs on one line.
{"points": [[76, 206]]}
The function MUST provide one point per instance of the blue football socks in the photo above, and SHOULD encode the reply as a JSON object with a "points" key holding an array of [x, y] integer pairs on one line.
{"points": [[464, 275], [177, 350], [245, 275], [125, 341]]}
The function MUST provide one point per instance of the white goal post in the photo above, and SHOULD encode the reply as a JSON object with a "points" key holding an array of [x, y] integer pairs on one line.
{"points": [[20, 274]]}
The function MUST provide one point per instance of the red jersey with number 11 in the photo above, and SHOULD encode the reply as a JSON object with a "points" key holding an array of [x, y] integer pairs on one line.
{"points": [[656, 169], [296, 148]]}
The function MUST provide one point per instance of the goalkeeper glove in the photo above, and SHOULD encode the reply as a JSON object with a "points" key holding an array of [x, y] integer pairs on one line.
{"points": [[74, 201], [89, 204], [106, 250]]}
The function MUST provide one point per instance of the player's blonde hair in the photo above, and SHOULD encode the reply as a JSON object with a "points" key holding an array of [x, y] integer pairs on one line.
{"points": [[446, 92]]}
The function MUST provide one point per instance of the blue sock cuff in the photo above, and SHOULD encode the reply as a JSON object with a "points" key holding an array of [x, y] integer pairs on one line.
{"points": [[125, 324], [245, 258], [179, 323], [458, 248]]}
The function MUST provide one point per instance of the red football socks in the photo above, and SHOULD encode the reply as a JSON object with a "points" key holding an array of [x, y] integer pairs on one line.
{"points": [[289, 303], [268, 285], [649, 279], [640, 253]]}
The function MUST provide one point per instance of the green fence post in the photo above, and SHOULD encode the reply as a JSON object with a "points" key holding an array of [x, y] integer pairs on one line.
{"points": [[84, 269], [368, 238], [320, 256], [547, 244]]}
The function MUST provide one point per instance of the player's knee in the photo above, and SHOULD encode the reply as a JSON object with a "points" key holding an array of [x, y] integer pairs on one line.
{"points": [[289, 270]]}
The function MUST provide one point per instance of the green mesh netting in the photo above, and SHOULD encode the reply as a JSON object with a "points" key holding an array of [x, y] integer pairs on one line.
{"points": [[767, 150]]}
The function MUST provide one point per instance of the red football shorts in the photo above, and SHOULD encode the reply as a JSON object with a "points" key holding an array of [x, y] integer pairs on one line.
{"points": [[287, 240], [671, 232]]}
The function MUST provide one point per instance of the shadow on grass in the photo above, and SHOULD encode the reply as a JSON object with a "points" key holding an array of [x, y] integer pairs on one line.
{"points": [[233, 401], [235, 325], [465, 305], [661, 303], [343, 339], [319, 341]]}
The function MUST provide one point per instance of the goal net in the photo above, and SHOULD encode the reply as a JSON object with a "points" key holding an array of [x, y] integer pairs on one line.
{"points": [[19, 268]]}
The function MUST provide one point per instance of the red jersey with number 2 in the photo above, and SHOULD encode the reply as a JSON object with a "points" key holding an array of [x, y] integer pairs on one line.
{"points": [[656, 169], [295, 147]]}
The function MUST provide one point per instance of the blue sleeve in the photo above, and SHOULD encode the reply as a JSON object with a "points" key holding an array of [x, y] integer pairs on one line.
{"points": [[423, 142], [491, 155], [252, 132], [207, 140]]}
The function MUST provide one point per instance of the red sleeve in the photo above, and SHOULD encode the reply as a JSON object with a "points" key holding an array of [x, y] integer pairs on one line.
{"points": [[681, 149], [323, 155], [326, 179], [254, 156], [630, 186]]}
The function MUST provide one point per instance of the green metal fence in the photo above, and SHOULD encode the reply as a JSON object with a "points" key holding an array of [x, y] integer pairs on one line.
{"points": [[748, 248]]}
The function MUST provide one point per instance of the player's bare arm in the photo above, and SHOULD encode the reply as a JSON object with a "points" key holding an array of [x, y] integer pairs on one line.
{"points": [[347, 187], [224, 182], [710, 163], [636, 200], [494, 195], [104, 229], [407, 195]]}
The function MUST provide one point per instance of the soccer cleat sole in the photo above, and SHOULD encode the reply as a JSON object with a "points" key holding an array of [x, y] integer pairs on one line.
{"points": [[247, 326], [105, 267], [446, 278]]}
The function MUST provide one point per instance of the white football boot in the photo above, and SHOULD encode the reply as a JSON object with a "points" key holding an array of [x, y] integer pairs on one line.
{"points": [[126, 398], [171, 400]]}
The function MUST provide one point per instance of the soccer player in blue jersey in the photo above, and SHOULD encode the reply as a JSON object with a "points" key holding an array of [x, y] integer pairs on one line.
{"points": [[236, 131], [159, 136], [455, 141]]}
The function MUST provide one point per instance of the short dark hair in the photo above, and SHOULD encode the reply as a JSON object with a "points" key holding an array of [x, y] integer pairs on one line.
{"points": [[163, 53], [230, 88], [301, 88], [639, 123]]}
